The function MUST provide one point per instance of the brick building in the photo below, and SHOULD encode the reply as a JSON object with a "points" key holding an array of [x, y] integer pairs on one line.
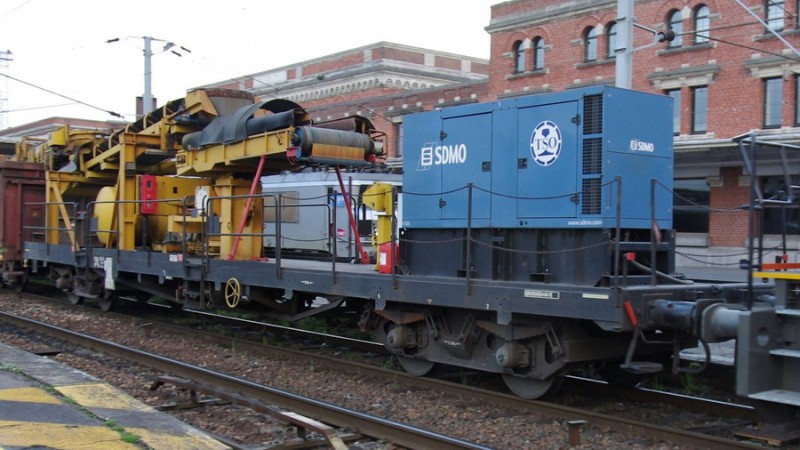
{"points": [[728, 73]]}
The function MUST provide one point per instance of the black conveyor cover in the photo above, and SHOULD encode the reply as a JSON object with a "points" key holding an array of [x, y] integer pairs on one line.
{"points": [[237, 126]]}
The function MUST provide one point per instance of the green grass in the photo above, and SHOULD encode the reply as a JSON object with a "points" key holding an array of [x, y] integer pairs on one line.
{"points": [[690, 384], [315, 324], [9, 368], [130, 438], [126, 436]]}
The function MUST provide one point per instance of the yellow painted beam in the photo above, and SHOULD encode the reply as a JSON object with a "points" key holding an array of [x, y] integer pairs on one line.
{"points": [[778, 275], [218, 157]]}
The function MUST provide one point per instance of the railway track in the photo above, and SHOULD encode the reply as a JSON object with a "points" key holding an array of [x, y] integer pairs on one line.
{"points": [[318, 337], [398, 433], [546, 409], [685, 402]]}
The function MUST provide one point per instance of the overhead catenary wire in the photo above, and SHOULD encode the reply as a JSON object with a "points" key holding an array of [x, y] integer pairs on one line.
{"points": [[273, 90], [49, 91], [33, 108], [15, 9]]}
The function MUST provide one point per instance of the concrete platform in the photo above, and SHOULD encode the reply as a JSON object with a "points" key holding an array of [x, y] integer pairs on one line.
{"points": [[47, 405], [722, 353]]}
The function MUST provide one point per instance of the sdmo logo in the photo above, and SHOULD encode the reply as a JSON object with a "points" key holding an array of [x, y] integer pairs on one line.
{"points": [[433, 154], [546, 143], [642, 146]]}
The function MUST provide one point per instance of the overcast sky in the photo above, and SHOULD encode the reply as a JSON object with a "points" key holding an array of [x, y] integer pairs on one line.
{"points": [[61, 45]]}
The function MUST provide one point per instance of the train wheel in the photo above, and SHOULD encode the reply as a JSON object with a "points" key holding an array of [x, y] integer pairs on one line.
{"points": [[414, 366], [106, 302], [530, 388], [74, 299], [233, 293]]}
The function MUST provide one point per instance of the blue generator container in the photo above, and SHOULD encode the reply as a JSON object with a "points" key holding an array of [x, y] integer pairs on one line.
{"points": [[533, 177], [541, 161]]}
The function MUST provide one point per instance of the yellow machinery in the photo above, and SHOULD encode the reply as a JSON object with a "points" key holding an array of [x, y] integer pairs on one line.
{"points": [[184, 177], [380, 198]]}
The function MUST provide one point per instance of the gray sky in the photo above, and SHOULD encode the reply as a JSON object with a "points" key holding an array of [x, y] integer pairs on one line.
{"points": [[60, 44]]}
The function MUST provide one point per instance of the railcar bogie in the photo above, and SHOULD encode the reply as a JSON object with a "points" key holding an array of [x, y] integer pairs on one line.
{"points": [[530, 352]]}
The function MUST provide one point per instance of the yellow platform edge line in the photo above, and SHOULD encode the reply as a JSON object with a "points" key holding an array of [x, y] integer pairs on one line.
{"points": [[192, 440], [59, 435], [28, 395], [101, 395]]}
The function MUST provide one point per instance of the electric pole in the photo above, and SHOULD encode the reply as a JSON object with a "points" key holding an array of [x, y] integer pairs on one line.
{"points": [[624, 50], [5, 61]]}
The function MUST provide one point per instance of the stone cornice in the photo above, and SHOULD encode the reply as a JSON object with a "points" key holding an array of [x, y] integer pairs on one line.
{"points": [[367, 77], [685, 76], [547, 14]]}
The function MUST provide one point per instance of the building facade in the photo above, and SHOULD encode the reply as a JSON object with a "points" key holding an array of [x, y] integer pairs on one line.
{"points": [[730, 70]]}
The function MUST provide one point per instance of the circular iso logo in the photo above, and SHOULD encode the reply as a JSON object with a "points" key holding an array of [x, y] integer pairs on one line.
{"points": [[546, 143]]}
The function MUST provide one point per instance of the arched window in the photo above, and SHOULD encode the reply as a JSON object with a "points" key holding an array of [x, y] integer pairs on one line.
{"points": [[519, 57], [590, 44], [702, 24], [611, 40], [675, 23], [775, 12], [538, 53]]}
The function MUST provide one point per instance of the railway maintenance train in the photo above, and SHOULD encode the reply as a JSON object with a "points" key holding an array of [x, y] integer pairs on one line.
{"points": [[535, 234]]}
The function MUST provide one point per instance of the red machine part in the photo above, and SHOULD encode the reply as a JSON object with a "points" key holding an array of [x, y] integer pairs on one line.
{"points": [[148, 190]]}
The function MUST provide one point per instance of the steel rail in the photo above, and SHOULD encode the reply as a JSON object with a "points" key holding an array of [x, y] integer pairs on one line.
{"points": [[398, 433], [706, 406], [683, 437], [684, 402], [532, 406], [324, 338]]}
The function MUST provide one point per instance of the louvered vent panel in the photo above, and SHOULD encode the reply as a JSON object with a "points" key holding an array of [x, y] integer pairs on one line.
{"points": [[591, 194], [592, 156], [593, 114]]}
